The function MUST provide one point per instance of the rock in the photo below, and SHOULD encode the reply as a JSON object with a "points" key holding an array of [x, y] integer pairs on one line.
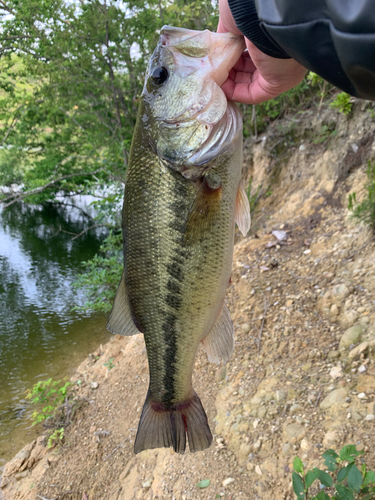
{"points": [[280, 395], [340, 293], [295, 431], [287, 448], [258, 470], [366, 383], [228, 481], [348, 318], [246, 327], [257, 445], [147, 483], [294, 408], [334, 312], [362, 369], [330, 439], [362, 395], [243, 453], [370, 417], [305, 445], [250, 467], [221, 373], [336, 372], [357, 351], [94, 385], [335, 397], [333, 354], [351, 336]]}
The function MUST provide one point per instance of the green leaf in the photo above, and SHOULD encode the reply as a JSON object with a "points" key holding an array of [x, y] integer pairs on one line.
{"points": [[330, 457], [343, 473], [298, 465], [321, 496], [204, 483], [310, 477], [324, 478], [369, 478], [349, 452], [355, 478], [298, 486], [344, 493]]}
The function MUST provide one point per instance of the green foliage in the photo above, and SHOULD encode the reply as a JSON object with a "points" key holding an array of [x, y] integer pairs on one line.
{"points": [[342, 102], [55, 438], [109, 364], [204, 483], [326, 132], [47, 395], [344, 481], [102, 275], [365, 211], [71, 77]]}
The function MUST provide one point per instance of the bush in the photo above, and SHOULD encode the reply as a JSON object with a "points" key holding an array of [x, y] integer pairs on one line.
{"points": [[344, 480], [365, 211]]}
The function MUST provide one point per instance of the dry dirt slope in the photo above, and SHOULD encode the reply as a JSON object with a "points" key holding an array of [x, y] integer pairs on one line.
{"points": [[302, 377]]}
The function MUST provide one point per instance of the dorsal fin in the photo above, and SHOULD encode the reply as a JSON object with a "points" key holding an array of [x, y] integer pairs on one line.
{"points": [[120, 321]]}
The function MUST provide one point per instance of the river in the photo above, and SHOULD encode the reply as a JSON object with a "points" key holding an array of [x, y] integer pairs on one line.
{"points": [[40, 336]]}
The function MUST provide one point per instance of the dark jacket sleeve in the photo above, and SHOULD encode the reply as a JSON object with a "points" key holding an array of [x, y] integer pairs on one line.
{"points": [[333, 38]]}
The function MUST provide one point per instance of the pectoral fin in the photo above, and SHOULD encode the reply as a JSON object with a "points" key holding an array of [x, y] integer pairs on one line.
{"points": [[120, 321], [243, 216], [219, 343]]}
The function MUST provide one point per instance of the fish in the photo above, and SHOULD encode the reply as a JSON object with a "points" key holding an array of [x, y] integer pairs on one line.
{"points": [[182, 197]]}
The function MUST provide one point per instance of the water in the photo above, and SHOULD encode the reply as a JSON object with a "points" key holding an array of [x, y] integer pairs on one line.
{"points": [[40, 336]]}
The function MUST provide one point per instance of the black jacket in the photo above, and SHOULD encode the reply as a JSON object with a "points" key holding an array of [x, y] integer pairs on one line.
{"points": [[333, 38]]}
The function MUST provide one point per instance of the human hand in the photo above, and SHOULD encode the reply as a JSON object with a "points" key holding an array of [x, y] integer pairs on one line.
{"points": [[256, 77]]}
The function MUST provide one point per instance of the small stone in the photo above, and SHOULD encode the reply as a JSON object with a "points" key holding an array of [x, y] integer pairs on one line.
{"points": [[351, 336], [256, 422], [306, 367], [257, 445], [333, 354], [250, 467], [362, 369], [334, 398], [94, 385], [360, 446], [287, 449], [370, 417], [280, 395], [246, 327], [336, 372], [357, 351], [258, 470], [362, 395], [340, 293], [330, 438], [295, 431], [305, 445], [221, 373], [294, 408], [228, 481], [147, 483]]}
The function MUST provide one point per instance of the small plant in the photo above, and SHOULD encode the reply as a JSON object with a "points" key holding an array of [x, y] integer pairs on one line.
{"points": [[55, 438], [365, 211], [325, 133], [253, 199], [109, 364], [342, 102], [52, 394], [343, 481]]}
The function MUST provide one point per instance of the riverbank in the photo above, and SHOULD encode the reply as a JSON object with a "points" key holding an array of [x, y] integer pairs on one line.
{"points": [[302, 377]]}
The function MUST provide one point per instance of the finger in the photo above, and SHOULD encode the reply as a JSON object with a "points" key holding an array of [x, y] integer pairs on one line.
{"points": [[245, 64], [246, 93], [227, 21]]}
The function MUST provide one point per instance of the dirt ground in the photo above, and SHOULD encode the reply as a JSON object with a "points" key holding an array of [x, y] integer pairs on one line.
{"points": [[302, 376]]}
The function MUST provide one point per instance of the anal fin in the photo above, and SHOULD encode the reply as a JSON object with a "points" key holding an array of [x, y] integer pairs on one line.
{"points": [[243, 216], [120, 321], [219, 343]]}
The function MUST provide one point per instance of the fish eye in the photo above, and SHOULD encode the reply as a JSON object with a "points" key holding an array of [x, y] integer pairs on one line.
{"points": [[159, 75]]}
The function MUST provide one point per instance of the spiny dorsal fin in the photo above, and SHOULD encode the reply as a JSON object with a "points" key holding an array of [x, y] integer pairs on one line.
{"points": [[219, 343], [120, 321], [243, 216]]}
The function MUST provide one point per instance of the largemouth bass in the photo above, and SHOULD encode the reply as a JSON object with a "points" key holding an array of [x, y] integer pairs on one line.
{"points": [[182, 198]]}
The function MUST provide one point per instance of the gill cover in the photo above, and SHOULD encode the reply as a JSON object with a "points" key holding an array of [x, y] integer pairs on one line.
{"points": [[190, 120]]}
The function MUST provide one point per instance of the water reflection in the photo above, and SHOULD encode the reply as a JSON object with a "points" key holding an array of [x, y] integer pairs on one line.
{"points": [[40, 336]]}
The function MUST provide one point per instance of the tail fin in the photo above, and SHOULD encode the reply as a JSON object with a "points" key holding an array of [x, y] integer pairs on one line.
{"points": [[160, 427]]}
